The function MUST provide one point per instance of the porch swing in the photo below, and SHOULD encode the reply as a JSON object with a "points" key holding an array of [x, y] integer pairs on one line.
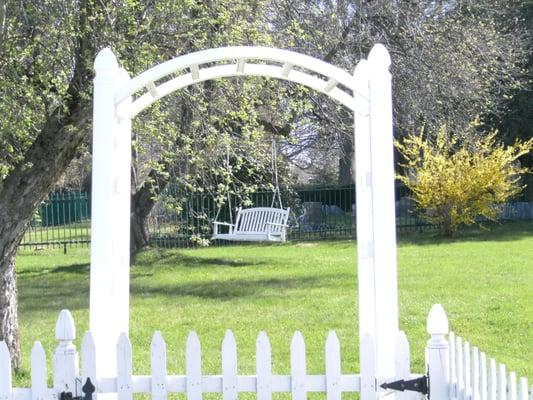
{"points": [[256, 224]]}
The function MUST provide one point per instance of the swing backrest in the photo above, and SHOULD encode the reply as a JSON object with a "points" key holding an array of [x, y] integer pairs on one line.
{"points": [[255, 220]]}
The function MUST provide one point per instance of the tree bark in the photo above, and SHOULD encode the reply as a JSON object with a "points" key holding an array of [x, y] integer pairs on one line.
{"points": [[142, 202], [2, 19], [346, 161], [9, 327]]}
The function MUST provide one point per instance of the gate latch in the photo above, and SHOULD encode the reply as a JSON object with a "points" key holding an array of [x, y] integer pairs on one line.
{"points": [[419, 385]]}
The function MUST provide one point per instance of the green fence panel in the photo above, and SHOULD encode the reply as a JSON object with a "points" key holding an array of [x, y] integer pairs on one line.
{"points": [[64, 208], [63, 219]]}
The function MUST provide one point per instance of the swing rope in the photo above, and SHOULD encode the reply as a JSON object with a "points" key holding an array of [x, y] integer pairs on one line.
{"points": [[276, 180], [227, 192], [277, 191]]}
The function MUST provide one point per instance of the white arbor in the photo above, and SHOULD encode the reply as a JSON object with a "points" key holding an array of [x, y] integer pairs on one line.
{"points": [[117, 99]]}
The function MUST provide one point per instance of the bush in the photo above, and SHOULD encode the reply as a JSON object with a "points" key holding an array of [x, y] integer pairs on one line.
{"points": [[456, 181]]}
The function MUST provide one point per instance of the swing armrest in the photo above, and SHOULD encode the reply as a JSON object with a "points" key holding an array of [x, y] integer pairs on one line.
{"points": [[216, 225], [223, 223], [282, 234], [274, 224]]}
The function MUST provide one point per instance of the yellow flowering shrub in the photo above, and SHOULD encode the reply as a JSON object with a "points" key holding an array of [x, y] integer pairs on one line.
{"points": [[453, 182]]}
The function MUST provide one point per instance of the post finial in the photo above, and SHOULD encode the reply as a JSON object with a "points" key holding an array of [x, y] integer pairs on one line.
{"points": [[105, 61], [379, 56], [437, 323], [65, 329]]}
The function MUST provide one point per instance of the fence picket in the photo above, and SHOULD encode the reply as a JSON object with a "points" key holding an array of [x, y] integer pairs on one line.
{"points": [[502, 383], [466, 369], [5, 372], [453, 369], [193, 362], [298, 367], [403, 365], [332, 356], [460, 367], [368, 372], [522, 389], [512, 386], [39, 389], [493, 380], [158, 355], [483, 377], [229, 367], [124, 368], [263, 367], [88, 359], [475, 373]]}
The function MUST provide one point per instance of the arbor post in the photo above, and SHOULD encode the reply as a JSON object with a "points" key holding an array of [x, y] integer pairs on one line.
{"points": [[376, 220], [109, 294], [365, 233], [122, 160]]}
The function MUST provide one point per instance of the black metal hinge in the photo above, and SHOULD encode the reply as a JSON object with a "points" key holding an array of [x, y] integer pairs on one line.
{"points": [[87, 389], [419, 385]]}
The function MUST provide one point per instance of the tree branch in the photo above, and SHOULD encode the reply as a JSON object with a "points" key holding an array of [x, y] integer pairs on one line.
{"points": [[341, 43], [3, 5]]}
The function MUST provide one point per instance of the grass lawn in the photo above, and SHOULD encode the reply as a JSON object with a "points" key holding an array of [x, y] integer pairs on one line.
{"points": [[483, 279]]}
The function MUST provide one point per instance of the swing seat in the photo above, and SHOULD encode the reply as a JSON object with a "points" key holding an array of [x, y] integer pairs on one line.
{"points": [[257, 224]]}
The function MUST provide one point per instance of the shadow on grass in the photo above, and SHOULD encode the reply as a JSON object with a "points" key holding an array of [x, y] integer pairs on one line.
{"points": [[172, 259], [69, 269], [226, 290], [497, 232], [72, 292], [38, 295]]}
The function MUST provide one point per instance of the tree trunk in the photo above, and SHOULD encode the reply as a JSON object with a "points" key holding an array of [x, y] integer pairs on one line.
{"points": [[30, 181], [9, 328], [23, 190], [142, 203], [346, 161], [140, 237]]}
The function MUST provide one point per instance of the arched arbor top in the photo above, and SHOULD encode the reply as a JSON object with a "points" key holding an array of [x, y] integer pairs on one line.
{"points": [[204, 65]]}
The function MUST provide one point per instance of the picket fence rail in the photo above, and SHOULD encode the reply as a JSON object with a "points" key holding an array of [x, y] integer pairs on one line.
{"points": [[457, 371]]}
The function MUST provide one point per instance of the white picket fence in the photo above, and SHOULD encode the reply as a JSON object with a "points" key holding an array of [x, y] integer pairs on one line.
{"points": [[470, 379], [473, 377]]}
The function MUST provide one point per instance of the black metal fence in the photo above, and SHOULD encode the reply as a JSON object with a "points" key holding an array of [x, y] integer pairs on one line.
{"points": [[316, 213]]}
